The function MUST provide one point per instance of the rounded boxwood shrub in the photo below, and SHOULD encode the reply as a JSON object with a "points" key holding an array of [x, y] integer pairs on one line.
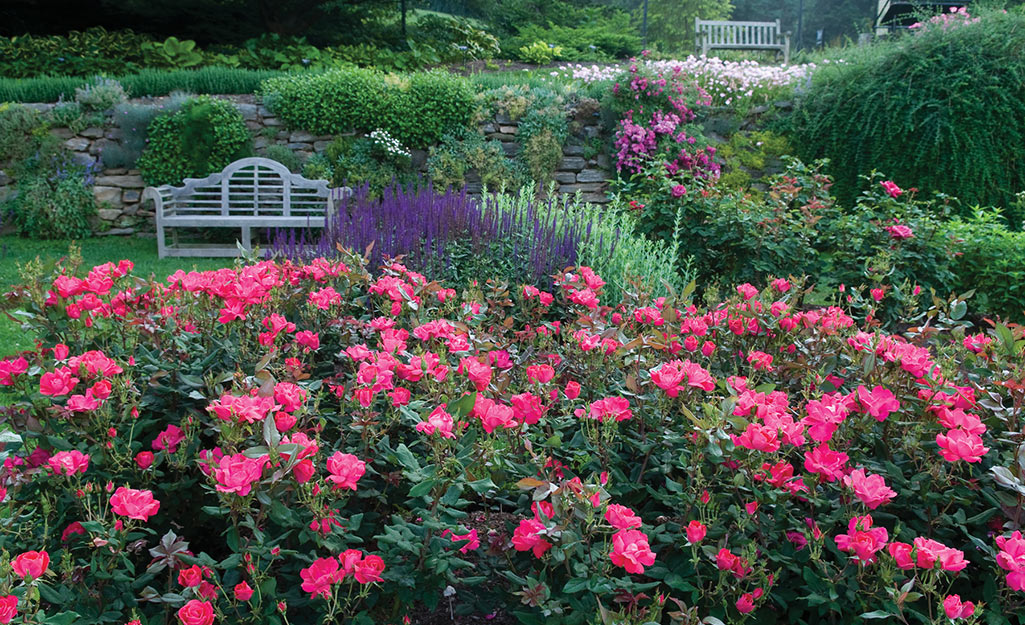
{"points": [[416, 109], [200, 138], [942, 109]]}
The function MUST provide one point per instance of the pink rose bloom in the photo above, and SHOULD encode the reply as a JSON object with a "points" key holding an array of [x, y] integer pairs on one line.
{"points": [[879, 402], [696, 531], [958, 444], [8, 608], [345, 470], [59, 382], [826, 462], [747, 291], [237, 473], [928, 552], [69, 462], [243, 592], [631, 551], [870, 489], [899, 231], [319, 576], [526, 537], [758, 437], [891, 188], [368, 570], [678, 191], [746, 603], [901, 554], [133, 503], [540, 373], [877, 294], [621, 517], [31, 563], [976, 342], [572, 389], [438, 421], [1011, 558], [196, 612], [726, 560], [955, 609], [862, 539]]}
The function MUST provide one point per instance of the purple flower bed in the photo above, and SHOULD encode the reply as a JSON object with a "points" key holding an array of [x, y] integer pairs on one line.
{"points": [[520, 237]]}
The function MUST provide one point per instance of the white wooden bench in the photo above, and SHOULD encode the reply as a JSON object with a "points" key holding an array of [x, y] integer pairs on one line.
{"points": [[719, 35], [251, 192]]}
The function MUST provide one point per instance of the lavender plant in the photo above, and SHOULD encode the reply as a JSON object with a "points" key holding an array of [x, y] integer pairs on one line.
{"points": [[514, 236]]}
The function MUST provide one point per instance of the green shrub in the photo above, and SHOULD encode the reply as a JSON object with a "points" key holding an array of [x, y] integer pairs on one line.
{"points": [[55, 198], [285, 156], [990, 260], [133, 120], [100, 95], [749, 153], [942, 110], [203, 136], [17, 124], [416, 109], [604, 41], [318, 167], [540, 53], [79, 53], [796, 228], [466, 150], [377, 160]]}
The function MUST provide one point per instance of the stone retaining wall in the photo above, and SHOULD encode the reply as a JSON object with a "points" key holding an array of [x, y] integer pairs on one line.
{"points": [[118, 191]]}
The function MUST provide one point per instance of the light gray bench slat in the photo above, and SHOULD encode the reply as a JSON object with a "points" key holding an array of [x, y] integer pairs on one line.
{"points": [[249, 193]]}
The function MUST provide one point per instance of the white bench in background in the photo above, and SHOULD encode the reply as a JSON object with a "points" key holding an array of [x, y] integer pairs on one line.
{"points": [[251, 192], [720, 35]]}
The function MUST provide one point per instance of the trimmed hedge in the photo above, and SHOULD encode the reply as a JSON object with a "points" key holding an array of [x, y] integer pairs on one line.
{"points": [[417, 109]]}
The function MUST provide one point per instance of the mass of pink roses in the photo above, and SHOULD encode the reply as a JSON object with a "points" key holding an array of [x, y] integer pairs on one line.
{"points": [[419, 352]]}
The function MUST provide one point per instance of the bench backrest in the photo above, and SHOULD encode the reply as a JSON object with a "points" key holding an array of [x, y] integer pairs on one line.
{"points": [[753, 35], [251, 187]]}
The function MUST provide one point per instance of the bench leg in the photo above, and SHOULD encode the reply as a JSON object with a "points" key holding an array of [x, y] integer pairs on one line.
{"points": [[161, 246], [247, 238]]}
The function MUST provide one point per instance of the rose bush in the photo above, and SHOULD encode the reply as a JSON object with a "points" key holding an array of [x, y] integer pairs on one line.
{"points": [[285, 443]]}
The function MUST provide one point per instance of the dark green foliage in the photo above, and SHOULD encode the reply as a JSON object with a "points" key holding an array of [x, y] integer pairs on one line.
{"points": [[17, 124], [149, 82], [133, 120], [991, 260], [55, 198], [941, 110], [797, 228], [285, 156], [416, 109], [202, 137], [464, 151], [603, 41]]}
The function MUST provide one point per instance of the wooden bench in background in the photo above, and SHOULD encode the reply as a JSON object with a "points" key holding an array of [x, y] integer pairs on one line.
{"points": [[718, 35], [251, 192]]}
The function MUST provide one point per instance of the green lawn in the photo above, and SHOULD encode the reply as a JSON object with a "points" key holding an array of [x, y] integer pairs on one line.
{"points": [[15, 251]]}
